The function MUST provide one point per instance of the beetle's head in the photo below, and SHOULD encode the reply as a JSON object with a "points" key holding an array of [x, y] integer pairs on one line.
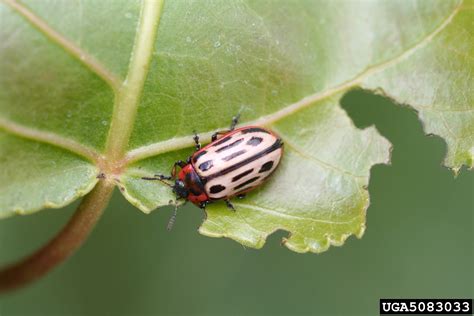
{"points": [[180, 189]]}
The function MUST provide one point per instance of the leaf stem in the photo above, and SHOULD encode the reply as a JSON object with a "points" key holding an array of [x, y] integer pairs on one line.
{"points": [[68, 240], [129, 95]]}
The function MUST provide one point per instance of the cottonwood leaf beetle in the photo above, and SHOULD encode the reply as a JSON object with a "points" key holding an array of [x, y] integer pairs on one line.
{"points": [[236, 161]]}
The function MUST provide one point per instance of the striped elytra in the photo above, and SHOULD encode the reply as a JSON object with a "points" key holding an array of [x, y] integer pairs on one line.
{"points": [[231, 165], [237, 162]]}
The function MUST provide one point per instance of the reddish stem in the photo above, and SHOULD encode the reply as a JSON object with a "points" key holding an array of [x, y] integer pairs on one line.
{"points": [[68, 240]]}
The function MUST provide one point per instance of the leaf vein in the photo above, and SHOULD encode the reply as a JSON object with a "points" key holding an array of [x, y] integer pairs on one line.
{"points": [[88, 60], [288, 216], [51, 139], [128, 99], [319, 162]]}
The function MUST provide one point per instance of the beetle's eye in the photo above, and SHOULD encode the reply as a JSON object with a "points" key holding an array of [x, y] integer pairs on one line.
{"points": [[180, 189]]}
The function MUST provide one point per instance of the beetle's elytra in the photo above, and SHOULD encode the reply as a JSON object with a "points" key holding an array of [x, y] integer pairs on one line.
{"points": [[234, 163]]}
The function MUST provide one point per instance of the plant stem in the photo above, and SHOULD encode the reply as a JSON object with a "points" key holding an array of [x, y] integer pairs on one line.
{"points": [[92, 206], [68, 240]]}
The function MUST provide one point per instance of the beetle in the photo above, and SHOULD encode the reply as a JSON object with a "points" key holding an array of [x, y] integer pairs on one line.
{"points": [[235, 162]]}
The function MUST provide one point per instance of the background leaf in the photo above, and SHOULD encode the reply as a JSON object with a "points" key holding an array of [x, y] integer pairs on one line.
{"points": [[283, 65]]}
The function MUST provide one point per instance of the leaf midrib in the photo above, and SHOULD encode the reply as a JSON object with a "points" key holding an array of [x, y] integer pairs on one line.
{"points": [[128, 95]]}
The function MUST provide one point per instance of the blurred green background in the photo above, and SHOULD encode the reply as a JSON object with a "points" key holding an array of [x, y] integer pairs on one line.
{"points": [[418, 243]]}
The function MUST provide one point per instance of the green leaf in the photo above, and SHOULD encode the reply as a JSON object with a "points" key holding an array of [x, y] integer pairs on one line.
{"points": [[35, 174], [117, 87]]}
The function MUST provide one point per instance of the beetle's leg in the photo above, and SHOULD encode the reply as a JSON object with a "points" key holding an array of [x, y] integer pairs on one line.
{"points": [[229, 205], [203, 205], [241, 196], [196, 141], [174, 170], [216, 134], [235, 121]]}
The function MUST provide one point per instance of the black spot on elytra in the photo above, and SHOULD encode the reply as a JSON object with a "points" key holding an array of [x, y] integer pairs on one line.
{"points": [[238, 141], [233, 155], [241, 175], [199, 155], [245, 183], [254, 141], [206, 165], [217, 188], [222, 141], [266, 166]]}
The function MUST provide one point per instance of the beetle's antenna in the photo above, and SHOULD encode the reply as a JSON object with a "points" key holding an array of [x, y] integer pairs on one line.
{"points": [[159, 179], [173, 217]]}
